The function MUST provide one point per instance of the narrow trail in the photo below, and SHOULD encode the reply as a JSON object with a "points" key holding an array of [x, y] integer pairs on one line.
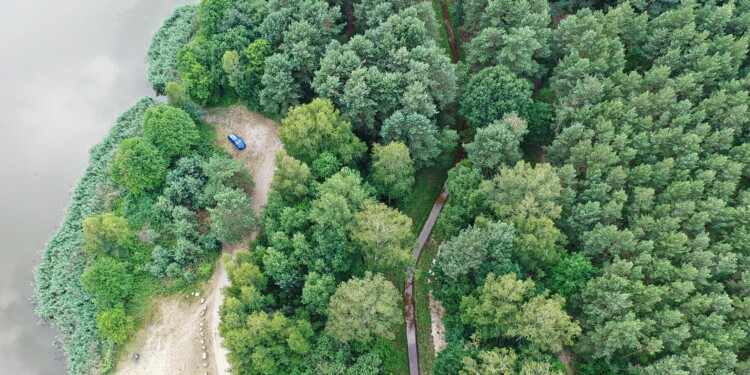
{"points": [[424, 235], [449, 31], [411, 327]]}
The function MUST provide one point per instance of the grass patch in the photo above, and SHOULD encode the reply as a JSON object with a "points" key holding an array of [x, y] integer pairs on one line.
{"points": [[422, 305], [400, 345], [427, 186]]}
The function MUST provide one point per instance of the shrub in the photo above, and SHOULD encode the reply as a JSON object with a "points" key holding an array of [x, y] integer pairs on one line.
{"points": [[167, 42], [62, 299]]}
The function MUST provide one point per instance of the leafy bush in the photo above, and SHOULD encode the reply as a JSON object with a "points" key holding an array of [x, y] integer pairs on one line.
{"points": [[168, 40], [61, 296]]}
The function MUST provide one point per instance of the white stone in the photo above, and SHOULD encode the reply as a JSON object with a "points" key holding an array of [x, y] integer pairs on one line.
{"points": [[203, 300], [205, 355]]}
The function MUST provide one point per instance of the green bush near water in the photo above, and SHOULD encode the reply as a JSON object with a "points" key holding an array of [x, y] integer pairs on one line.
{"points": [[61, 296], [168, 40]]}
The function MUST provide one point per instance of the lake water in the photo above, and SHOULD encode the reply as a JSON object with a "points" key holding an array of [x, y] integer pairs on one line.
{"points": [[68, 68]]}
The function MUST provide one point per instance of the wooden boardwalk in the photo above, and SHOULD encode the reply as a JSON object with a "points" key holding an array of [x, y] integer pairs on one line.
{"points": [[411, 329]]}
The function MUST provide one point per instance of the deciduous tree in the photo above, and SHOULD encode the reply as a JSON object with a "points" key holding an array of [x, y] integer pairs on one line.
{"points": [[138, 165], [384, 237], [392, 170], [363, 309], [171, 130], [311, 129]]}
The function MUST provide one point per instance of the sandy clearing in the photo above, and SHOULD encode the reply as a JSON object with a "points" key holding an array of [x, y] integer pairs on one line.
{"points": [[171, 342]]}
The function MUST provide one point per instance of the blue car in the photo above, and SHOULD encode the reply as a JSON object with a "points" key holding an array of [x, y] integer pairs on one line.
{"points": [[237, 141]]}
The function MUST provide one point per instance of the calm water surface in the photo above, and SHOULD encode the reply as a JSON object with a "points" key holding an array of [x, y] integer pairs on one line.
{"points": [[67, 70]]}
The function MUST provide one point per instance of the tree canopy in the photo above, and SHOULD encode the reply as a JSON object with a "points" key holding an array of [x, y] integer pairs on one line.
{"points": [[363, 309]]}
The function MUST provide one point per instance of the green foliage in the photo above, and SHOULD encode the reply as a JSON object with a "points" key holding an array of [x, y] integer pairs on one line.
{"points": [[107, 234], [363, 309], [477, 251], [571, 274], [210, 14], [392, 170], [171, 130], [62, 298], [300, 33], [515, 34], [272, 344], [492, 93], [177, 97], [166, 43], [505, 306], [498, 144], [326, 165], [109, 281], [311, 129], [233, 217], [394, 67], [425, 141], [114, 325], [292, 177], [317, 292], [138, 165], [244, 70], [384, 237]]}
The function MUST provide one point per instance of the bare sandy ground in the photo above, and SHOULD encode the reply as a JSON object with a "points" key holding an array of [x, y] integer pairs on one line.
{"points": [[438, 328], [171, 342]]}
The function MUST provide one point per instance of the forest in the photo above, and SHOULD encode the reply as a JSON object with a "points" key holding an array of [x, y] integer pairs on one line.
{"points": [[596, 157]]}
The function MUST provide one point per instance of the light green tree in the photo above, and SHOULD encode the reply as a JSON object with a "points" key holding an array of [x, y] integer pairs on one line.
{"points": [[292, 177], [115, 325], [363, 309], [311, 129], [171, 130], [392, 170], [384, 236], [498, 144], [498, 361], [507, 307], [138, 165], [107, 234]]}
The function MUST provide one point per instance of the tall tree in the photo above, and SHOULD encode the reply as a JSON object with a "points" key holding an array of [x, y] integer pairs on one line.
{"points": [[363, 309], [292, 177], [311, 129], [498, 144], [138, 165], [507, 307], [392, 170], [384, 236], [492, 93], [171, 130], [233, 217]]}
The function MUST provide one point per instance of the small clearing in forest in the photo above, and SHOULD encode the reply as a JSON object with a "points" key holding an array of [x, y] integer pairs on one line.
{"points": [[170, 341]]}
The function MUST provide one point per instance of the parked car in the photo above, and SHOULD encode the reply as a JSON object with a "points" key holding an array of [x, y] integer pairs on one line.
{"points": [[236, 141]]}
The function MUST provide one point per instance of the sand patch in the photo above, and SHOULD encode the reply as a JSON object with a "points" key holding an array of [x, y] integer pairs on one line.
{"points": [[170, 342]]}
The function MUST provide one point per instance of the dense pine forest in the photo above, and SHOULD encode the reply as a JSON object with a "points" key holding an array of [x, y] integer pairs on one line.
{"points": [[596, 157]]}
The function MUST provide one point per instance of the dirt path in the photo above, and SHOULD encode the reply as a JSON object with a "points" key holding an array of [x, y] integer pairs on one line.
{"points": [[411, 329], [178, 332]]}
